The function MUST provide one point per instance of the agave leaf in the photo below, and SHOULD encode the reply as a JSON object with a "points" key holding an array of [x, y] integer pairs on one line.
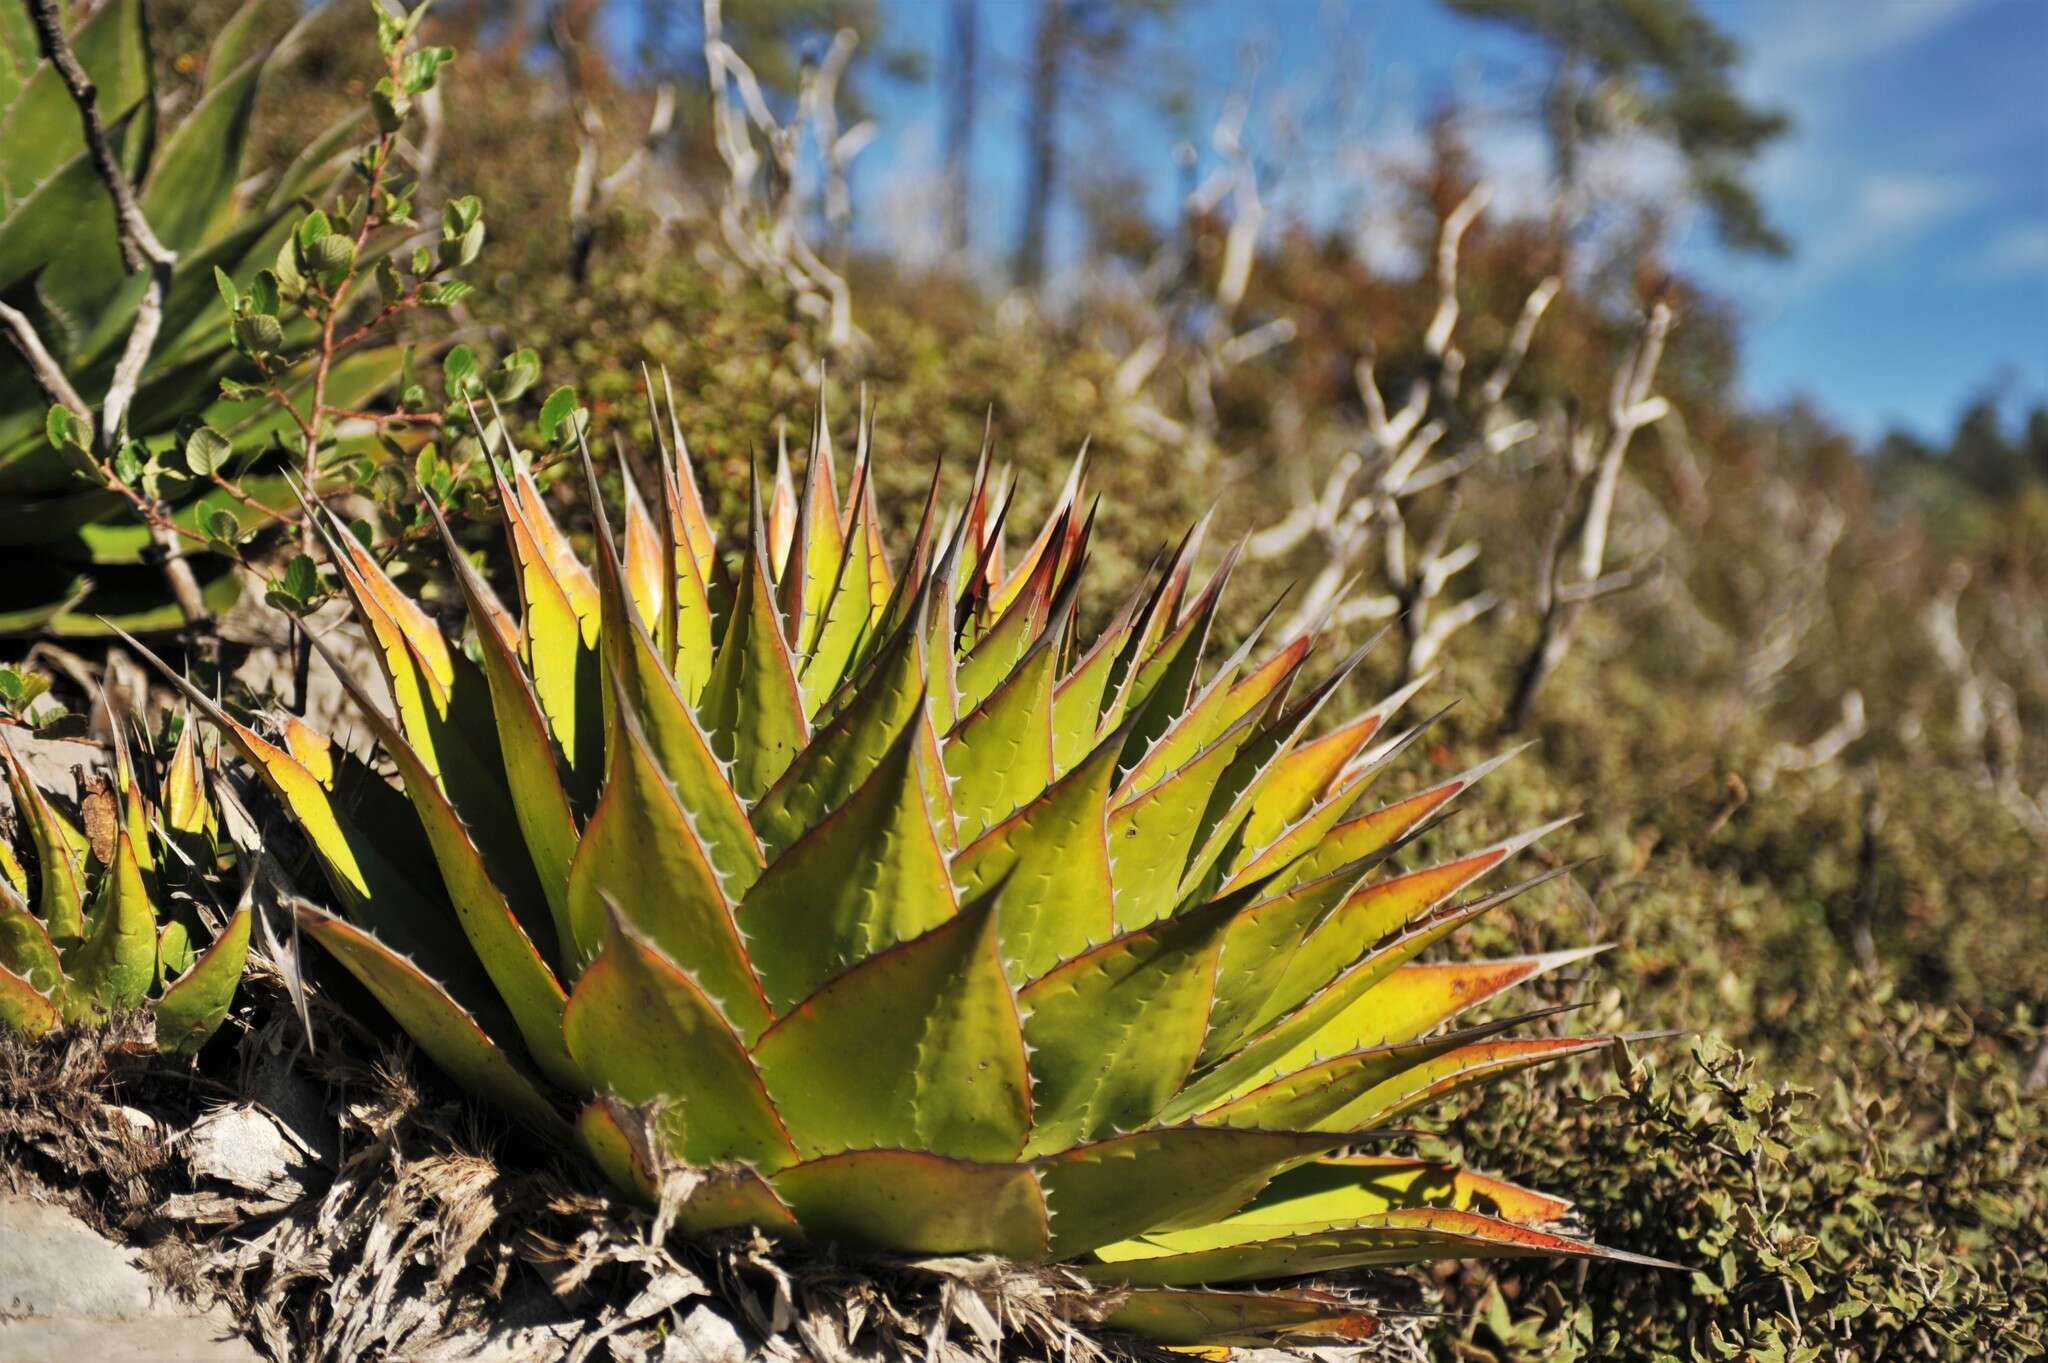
{"points": [[919, 1047], [40, 128], [24, 1009], [1152, 837], [1000, 756], [718, 1197], [1083, 702], [1419, 995], [1221, 830], [559, 646], [641, 852], [681, 748], [26, 949], [847, 609], [186, 807], [1048, 866], [1258, 950], [698, 535], [1377, 830], [60, 896], [872, 874], [1111, 1189], [844, 753], [498, 934], [916, 1202], [382, 891], [191, 185], [1255, 1061], [1457, 1070], [533, 778], [1301, 778], [1404, 1236], [1202, 723], [1331, 1095], [116, 963], [1114, 1032], [1184, 1317], [645, 578], [995, 657], [195, 1004], [449, 1033], [1343, 1188], [752, 704], [687, 611], [640, 1027], [1056, 540], [1374, 911], [1164, 681]]}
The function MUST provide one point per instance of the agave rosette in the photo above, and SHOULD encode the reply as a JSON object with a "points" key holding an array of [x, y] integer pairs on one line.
{"points": [[106, 918], [911, 915]]}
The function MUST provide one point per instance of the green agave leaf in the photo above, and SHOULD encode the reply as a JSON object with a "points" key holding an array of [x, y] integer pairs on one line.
{"points": [[60, 870], [641, 852], [1349, 1188], [532, 774], [1258, 951], [919, 1047], [1256, 1060], [1081, 703], [25, 946], [752, 704], [1405, 1236], [1202, 723], [1152, 837], [872, 874], [1178, 1316], [1048, 866], [196, 1003], [558, 632], [1303, 777], [915, 1202], [1374, 911], [1000, 756], [1114, 1032], [1164, 681], [996, 655], [646, 580], [640, 1027], [24, 1009], [1457, 1070], [697, 534], [681, 748], [1418, 996], [848, 609], [444, 1029], [191, 186], [845, 752], [516, 965], [1341, 1093], [40, 128], [374, 878], [690, 628], [1372, 833], [1112, 1189], [116, 963], [617, 1137]]}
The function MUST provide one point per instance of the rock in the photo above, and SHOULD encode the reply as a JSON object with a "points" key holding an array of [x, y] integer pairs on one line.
{"points": [[67, 1292]]}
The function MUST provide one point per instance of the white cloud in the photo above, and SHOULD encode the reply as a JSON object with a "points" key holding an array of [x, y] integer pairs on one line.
{"points": [[2019, 250], [1805, 35], [1886, 212]]}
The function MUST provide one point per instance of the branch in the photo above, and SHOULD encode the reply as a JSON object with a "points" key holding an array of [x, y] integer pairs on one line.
{"points": [[49, 375]]}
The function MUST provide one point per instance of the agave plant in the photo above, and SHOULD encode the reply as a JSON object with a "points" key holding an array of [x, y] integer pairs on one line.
{"points": [[900, 911], [61, 541], [112, 918]]}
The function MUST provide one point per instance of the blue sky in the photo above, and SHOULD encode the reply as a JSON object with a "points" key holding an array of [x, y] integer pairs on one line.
{"points": [[1914, 187]]}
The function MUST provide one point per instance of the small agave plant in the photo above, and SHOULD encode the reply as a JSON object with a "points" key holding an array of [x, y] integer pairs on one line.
{"points": [[903, 912], [112, 918]]}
